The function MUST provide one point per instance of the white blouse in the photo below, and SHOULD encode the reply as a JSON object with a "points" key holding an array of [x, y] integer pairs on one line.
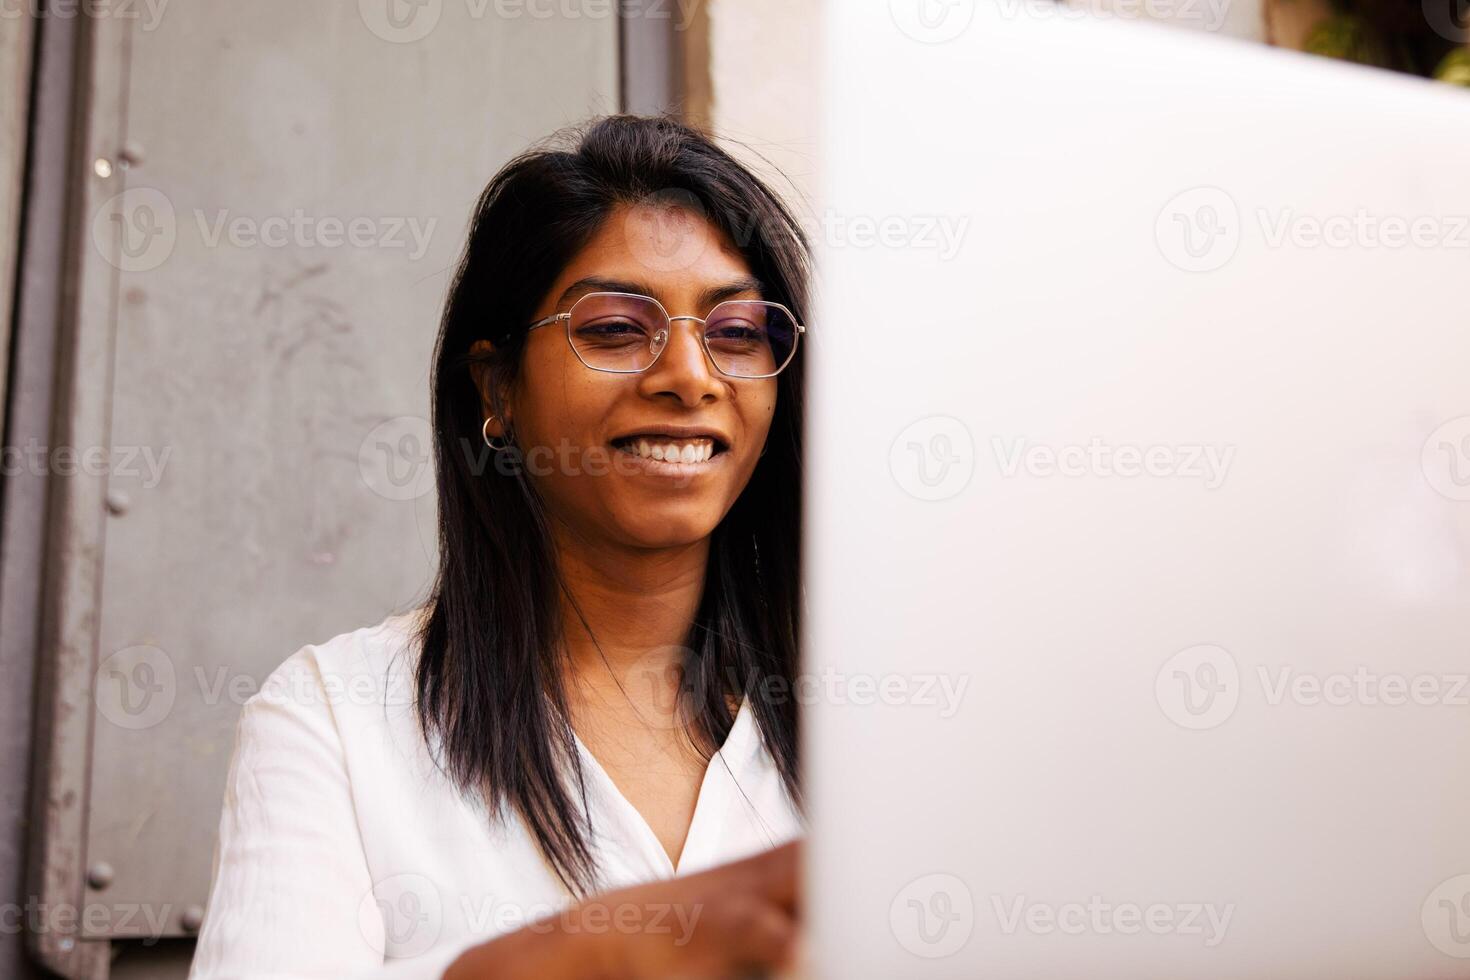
{"points": [[344, 852]]}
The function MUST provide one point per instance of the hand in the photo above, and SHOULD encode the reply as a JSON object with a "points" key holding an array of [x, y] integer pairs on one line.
{"points": [[731, 921], [737, 920]]}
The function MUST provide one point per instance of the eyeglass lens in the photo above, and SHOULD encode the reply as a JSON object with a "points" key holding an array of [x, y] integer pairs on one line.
{"points": [[620, 332]]}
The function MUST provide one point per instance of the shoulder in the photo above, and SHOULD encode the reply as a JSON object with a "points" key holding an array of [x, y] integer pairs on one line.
{"points": [[311, 800], [360, 663], [331, 686], [333, 713]]}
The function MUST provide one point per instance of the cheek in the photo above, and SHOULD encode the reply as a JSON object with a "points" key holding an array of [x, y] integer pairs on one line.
{"points": [[759, 410], [559, 404]]}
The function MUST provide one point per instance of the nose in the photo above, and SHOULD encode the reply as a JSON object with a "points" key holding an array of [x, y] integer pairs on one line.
{"points": [[682, 370]]}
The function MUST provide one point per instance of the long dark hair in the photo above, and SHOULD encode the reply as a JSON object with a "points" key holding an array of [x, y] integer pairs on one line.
{"points": [[488, 681]]}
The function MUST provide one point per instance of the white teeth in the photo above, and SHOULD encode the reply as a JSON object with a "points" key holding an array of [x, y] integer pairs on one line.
{"points": [[687, 451]]}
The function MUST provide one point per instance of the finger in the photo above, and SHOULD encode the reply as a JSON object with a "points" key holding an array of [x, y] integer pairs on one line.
{"points": [[767, 939], [778, 875]]}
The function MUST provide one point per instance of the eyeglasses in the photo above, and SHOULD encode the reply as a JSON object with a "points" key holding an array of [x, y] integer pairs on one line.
{"points": [[626, 332]]}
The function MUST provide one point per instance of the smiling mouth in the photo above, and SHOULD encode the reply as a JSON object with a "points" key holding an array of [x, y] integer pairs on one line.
{"points": [[667, 450]]}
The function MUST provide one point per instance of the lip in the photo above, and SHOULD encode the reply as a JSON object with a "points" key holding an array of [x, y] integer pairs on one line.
{"points": [[721, 438]]}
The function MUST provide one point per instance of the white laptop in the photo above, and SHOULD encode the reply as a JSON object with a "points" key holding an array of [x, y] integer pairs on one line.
{"points": [[1138, 513]]}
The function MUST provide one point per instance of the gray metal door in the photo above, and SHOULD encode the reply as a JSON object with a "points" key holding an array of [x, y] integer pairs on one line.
{"points": [[276, 195]]}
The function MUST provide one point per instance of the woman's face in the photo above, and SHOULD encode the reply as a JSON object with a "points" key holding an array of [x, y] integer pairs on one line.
{"points": [[590, 438]]}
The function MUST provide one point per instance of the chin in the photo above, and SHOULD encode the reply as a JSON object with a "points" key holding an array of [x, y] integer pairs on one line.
{"points": [[666, 528]]}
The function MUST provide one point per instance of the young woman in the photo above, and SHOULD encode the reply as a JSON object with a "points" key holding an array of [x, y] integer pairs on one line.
{"points": [[578, 757]]}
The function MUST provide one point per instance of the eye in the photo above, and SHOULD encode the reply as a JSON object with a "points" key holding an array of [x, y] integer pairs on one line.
{"points": [[736, 331], [609, 330]]}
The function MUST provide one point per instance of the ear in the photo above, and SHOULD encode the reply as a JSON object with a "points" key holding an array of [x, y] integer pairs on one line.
{"points": [[481, 374]]}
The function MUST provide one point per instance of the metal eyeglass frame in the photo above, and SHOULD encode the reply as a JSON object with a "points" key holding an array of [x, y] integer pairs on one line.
{"points": [[661, 345]]}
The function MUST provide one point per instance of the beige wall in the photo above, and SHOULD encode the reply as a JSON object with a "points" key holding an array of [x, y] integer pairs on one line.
{"points": [[763, 72], [15, 66]]}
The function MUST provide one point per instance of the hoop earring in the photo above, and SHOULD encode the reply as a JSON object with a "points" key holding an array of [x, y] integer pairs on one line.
{"points": [[485, 434]]}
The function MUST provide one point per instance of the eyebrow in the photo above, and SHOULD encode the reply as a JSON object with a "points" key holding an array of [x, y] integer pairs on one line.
{"points": [[711, 295]]}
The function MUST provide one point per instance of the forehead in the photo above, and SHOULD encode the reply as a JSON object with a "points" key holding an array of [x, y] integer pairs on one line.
{"points": [[675, 253]]}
